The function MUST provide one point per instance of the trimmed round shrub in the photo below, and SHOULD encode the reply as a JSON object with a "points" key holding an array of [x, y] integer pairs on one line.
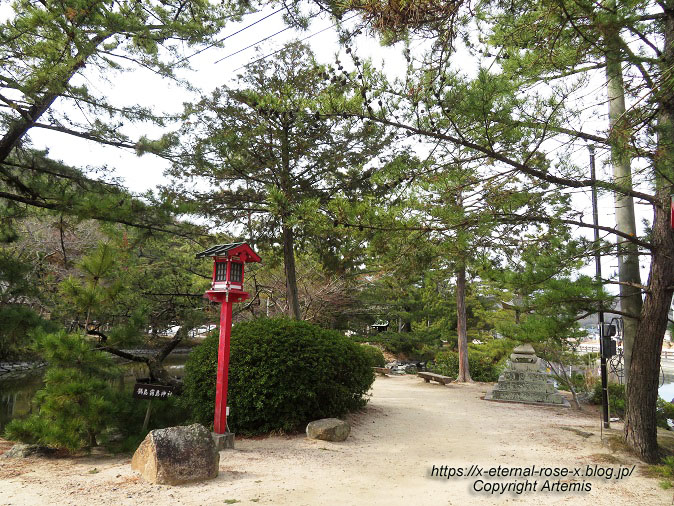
{"points": [[481, 366], [282, 374], [375, 355], [485, 361]]}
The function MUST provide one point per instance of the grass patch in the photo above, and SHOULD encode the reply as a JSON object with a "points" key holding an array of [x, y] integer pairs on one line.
{"points": [[665, 471], [616, 443], [607, 458], [666, 441]]}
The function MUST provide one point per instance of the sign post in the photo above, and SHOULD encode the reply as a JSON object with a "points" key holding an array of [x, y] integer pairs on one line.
{"points": [[143, 389], [227, 289]]}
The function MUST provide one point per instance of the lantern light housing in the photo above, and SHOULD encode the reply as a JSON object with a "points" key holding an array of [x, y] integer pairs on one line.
{"points": [[228, 270]]}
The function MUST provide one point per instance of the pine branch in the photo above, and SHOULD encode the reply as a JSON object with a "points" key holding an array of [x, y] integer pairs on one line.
{"points": [[492, 154]]}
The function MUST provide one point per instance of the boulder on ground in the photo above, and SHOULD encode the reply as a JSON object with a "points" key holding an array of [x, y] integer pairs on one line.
{"points": [[177, 455], [22, 451], [328, 429]]}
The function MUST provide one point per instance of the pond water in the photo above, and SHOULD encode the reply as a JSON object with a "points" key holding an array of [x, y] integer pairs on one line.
{"points": [[17, 392], [666, 391]]}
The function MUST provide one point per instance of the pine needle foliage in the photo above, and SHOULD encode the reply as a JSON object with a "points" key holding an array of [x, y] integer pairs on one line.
{"points": [[76, 403]]}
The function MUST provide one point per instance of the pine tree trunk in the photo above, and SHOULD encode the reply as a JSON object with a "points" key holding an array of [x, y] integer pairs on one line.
{"points": [[287, 231], [407, 324], [640, 424], [628, 254], [464, 372], [642, 394], [291, 277]]}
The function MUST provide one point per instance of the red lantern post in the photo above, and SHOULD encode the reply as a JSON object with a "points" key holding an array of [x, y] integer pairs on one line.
{"points": [[227, 289]]}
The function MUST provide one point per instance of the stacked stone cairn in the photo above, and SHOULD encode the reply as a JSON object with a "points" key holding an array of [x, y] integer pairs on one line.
{"points": [[523, 381]]}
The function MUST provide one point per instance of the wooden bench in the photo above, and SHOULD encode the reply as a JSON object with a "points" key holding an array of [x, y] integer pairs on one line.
{"points": [[382, 370], [428, 376]]}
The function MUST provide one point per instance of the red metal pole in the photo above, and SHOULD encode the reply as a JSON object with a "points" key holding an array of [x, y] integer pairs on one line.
{"points": [[220, 423]]}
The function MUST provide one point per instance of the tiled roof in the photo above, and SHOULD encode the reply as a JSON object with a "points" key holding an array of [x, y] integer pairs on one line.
{"points": [[218, 249]]}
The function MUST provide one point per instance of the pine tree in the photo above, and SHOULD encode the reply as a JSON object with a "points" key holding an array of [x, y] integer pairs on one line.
{"points": [[46, 48], [75, 406], [272, 159]]}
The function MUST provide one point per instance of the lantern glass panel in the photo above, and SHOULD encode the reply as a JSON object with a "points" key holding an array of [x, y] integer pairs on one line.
{"points": [[236, 272], [221, 271]]}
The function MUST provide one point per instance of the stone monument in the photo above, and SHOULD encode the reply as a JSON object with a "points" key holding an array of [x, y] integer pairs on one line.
{"points": [[523, 382]]}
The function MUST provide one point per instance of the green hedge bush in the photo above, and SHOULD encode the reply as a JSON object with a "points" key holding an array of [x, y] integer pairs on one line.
{"points": [[577, 380], [616, 398], [617, 402], [485, 361], [481, 367], [282, 374], [375, 355]]}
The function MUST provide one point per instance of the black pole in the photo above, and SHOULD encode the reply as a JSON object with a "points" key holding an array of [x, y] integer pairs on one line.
{"points": [[600, 313]]}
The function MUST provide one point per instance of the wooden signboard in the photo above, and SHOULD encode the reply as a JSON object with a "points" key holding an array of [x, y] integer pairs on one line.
{"points": [[150, 391]]}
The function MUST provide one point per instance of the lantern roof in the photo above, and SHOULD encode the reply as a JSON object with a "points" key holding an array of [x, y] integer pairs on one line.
{"points": [[240, 249]]}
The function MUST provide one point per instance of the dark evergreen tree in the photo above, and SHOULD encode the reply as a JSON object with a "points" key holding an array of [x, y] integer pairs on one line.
{"points": [[265, 156]]}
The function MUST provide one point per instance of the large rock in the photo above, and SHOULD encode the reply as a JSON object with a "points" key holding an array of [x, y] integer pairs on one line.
{"points": [[177, 455], [328, 429], [22, 451]]}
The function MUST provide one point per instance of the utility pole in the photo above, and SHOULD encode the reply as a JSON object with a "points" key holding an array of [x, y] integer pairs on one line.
{"points": [[600, 313]]}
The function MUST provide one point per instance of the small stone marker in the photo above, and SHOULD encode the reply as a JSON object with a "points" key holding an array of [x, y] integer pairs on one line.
{"points": [[523, 382], [328, 429], [177, 455]]}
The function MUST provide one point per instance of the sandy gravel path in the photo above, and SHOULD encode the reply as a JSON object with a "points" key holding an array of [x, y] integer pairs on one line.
{"points": [[408, 427]]}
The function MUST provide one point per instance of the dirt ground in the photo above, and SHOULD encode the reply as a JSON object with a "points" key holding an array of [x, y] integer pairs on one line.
{"points": [[408, 428]]}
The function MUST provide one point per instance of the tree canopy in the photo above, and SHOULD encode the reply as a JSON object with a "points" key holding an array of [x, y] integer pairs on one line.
{"points": [[263, 156]]}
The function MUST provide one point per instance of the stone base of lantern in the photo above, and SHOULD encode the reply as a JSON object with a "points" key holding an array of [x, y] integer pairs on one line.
{"points": [[223, 441], [522, 382]]}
